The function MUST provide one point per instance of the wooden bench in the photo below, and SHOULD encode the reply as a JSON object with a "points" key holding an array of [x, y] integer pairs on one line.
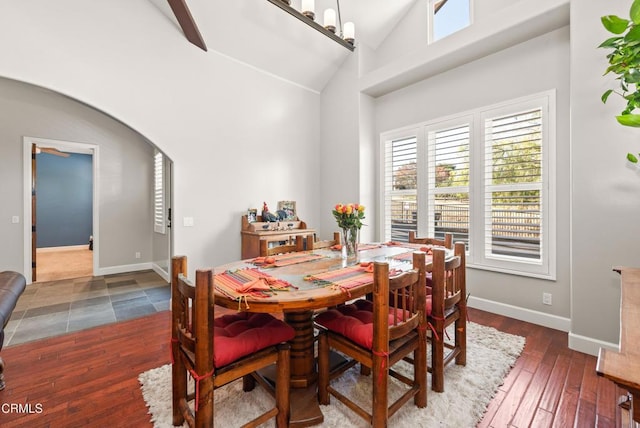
{"points": [[623, 367]]}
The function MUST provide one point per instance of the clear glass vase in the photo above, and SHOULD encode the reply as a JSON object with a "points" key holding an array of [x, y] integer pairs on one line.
{"points": [[350, 238]]}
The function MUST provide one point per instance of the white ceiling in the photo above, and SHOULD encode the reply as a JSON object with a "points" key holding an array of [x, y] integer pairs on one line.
{"points": [[263, 36]]}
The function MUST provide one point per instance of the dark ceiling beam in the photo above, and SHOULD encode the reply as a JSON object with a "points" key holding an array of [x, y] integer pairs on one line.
{"points": [[438, 5], [187, 23]]}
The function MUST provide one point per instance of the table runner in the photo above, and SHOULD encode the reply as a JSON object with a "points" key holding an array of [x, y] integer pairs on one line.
{"points": [[241, 283], [286, 259]]}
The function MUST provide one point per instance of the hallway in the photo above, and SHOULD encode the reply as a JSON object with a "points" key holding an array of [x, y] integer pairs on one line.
{"points": [[48, 309]]}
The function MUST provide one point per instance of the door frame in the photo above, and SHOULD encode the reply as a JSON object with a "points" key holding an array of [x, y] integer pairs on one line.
{"points": [[70, 147]]}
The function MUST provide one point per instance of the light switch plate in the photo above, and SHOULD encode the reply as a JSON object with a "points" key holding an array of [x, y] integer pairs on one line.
{"points": [[187, 221], [15, 219]]}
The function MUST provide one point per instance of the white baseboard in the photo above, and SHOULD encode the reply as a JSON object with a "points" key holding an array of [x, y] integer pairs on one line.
{"points": [[584, 344], [123, 269], [589, 345], [534, 317], [134, 268], [160, 271]]}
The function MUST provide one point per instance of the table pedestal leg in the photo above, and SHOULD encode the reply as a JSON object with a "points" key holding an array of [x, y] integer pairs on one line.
{"points": [[305, 410], [303, 364]]}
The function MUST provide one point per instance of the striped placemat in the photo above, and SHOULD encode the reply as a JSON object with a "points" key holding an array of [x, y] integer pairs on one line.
{"points": [[361, 247], [248, 282], [286, 259]]}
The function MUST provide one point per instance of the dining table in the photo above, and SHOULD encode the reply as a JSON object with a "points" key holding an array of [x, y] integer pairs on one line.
{"points": [[299, 284]]}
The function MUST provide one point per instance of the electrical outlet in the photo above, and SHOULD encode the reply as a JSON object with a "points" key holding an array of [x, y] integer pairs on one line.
{"points": [[546, 298], [137, 254]]}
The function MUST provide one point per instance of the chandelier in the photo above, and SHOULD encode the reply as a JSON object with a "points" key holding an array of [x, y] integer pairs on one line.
{"points": [[332, 28]]}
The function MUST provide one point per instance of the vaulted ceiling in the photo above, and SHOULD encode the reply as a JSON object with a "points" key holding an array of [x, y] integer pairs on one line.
{"points": [[261, 35]]}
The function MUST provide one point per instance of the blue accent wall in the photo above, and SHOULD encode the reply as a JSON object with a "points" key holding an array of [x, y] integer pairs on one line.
{"points": [[64, 208]]}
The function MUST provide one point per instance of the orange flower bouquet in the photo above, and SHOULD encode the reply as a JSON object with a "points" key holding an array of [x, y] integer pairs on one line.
{"points": [[349, 218]]}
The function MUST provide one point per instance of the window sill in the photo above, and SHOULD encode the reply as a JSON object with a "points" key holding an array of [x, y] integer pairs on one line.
{"points": [[547, 277]]}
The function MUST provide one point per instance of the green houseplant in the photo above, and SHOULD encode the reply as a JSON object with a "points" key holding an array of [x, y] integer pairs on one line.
{"points": [[624, 61]]}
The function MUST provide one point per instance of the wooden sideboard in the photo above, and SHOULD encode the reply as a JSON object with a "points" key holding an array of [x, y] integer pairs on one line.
{"points": [[253, 233], [623, 367]]}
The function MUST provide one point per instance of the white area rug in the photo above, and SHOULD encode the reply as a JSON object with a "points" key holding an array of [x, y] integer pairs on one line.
{"points": [[468, 390]]}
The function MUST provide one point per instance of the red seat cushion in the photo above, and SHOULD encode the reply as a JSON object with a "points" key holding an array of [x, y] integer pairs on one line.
{"points": [[238, 335], [354, 321]]}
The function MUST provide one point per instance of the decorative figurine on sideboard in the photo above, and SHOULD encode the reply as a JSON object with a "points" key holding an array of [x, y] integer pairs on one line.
{"points": [[266, 215]]}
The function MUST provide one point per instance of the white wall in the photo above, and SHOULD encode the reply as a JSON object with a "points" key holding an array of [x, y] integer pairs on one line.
{"points": [[409, 35], [236, 136], [605, 191], [339, 145], [537, 65], [124, 176]]}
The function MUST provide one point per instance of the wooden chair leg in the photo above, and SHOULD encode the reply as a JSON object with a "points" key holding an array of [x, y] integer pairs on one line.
{"points": [[179, 389], [437, 360], [323, 369], [380, 380], [364, 370], [2, 384], [461, 340], [204, 415], [420, 373], [248, 383], [282, 386]]}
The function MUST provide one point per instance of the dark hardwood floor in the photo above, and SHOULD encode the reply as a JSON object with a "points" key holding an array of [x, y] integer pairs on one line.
{"points": [[90, 379]]}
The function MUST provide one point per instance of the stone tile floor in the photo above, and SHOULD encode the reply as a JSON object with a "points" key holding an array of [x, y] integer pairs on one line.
{"points": [[57, 307]]}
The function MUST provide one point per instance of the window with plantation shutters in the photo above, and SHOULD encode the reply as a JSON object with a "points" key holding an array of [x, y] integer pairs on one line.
{"points": [[401, 187], [513, 185], [486, 176], [448, 180], [158, 193]]}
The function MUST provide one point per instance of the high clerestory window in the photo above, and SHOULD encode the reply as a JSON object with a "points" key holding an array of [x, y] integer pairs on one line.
{"points": [[448, 16], [486, 175]]}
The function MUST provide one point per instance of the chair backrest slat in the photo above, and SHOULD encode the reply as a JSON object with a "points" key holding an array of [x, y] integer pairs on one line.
{"points": [[266, 250], [447, 242], [316, 245]]}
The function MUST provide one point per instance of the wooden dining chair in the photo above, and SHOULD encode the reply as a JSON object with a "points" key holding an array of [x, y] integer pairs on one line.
{"points": [[445, 306], [296, 245], [378, 334], [446, 242], [217, 351], [327, 243]]}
